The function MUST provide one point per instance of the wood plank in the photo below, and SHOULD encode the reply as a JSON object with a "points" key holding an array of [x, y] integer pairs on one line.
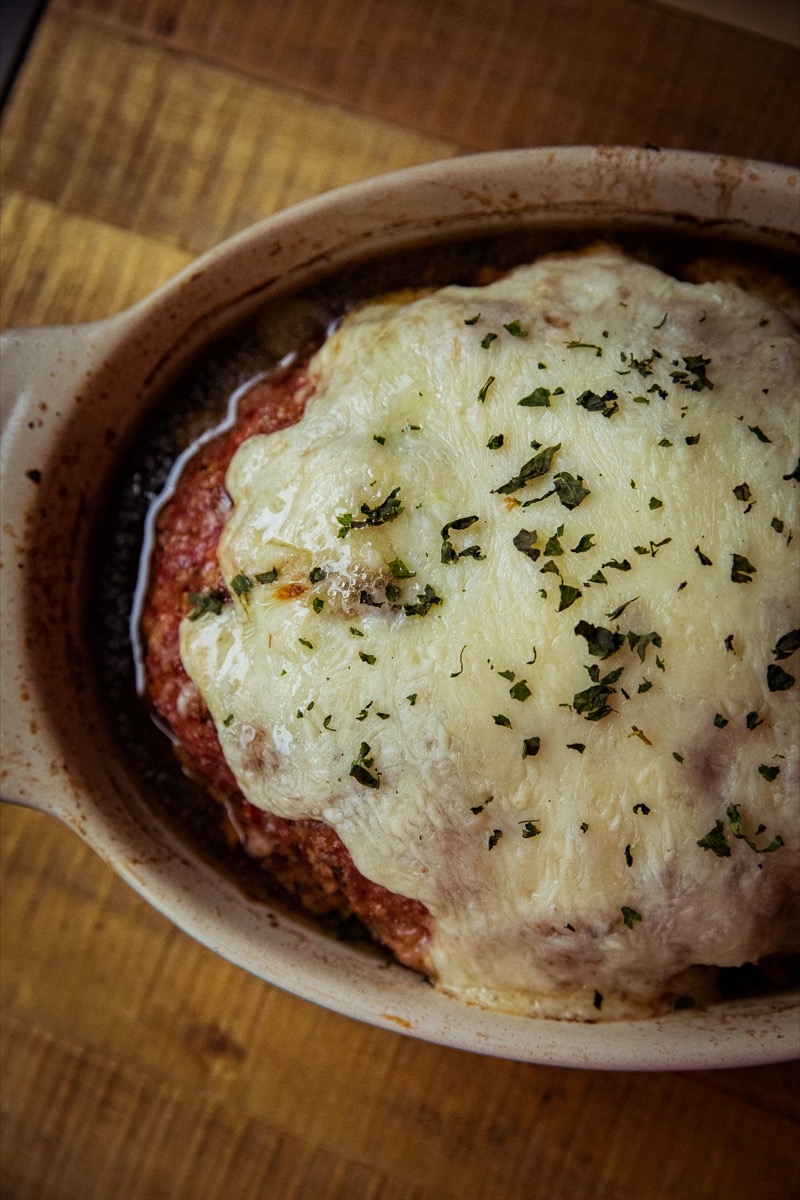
{"points": [[111, 1131], [162, 1036], [172, 149], [492, 73], [60, 269]]}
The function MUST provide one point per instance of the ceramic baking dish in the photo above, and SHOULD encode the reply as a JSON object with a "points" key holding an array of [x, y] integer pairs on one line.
{"points": [[72, 395]]}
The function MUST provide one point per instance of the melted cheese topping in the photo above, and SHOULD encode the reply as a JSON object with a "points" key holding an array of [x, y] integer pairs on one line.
{"points": [[530, 721]]}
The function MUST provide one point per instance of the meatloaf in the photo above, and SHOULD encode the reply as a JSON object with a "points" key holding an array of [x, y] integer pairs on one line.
{"points": [[382, 589]]}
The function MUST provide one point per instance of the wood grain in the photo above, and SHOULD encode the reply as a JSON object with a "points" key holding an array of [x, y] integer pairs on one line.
{"points": [[104, 270], [177, 150], [110, 1130], [135, 1062], [494, 73]]}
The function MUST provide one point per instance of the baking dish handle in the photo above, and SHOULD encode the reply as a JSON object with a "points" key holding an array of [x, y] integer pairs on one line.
{"points": [[41, 372]]}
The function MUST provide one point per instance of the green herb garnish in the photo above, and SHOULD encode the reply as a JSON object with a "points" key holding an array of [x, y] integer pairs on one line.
{"points": [[716, 841], [630, 916], [449, 552], [779, 680], [617, 612], [592, 702], [643, 365], [388, 510], [787, 644], [605, 404], [533, 469], [205, 602], [742, 570], [362, 768], [525, 542], [241, 585], [553, 546], [538, 398], [570, 489], [485, 389], [602, 643], [567, 596], [695, 366], [424, 603], [736, 825], [618, 566], [399, 570], [640, 641]]}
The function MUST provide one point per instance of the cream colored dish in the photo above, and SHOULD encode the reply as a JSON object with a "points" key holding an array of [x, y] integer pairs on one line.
{"points": [[59, 754]]}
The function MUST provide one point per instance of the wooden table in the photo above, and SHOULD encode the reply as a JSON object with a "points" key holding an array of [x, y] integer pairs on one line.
{"points": [[136, 1064]]}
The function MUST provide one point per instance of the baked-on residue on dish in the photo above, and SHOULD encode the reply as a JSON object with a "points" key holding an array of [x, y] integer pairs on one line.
{"points": [[496, 638]]}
